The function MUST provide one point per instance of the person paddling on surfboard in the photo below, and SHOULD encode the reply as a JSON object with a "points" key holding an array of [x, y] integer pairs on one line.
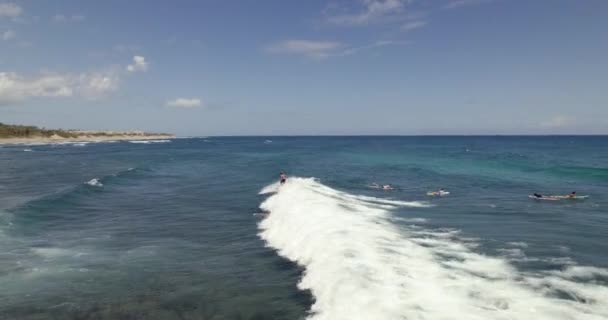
{"points": [[572, 195], [283, 177]]}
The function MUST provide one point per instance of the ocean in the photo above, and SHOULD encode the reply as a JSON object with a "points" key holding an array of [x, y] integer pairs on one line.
{"points": [[199, 228]]}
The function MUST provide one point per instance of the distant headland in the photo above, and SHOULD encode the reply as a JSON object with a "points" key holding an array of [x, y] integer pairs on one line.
{"points": [[15, 134]]}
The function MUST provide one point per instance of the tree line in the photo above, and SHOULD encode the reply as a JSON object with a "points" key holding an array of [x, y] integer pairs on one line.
{"points": [[20, 131]]}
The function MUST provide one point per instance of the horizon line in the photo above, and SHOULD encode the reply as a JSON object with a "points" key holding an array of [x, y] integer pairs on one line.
{"points": [[399, 135]]}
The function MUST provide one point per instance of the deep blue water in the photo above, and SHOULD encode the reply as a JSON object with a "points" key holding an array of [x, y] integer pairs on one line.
{"points": [[173, 230]]}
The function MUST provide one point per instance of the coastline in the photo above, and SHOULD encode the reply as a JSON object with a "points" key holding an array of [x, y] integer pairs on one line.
{"points": [[84, 138]]}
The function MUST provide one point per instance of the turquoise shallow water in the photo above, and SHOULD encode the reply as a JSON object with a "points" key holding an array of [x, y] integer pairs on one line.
{"points": [[174, 230]]}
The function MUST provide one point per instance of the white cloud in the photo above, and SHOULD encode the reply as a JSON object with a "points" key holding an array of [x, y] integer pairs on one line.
{"points": [[67, 18], [10, 10], [372, 10], [96, 85], [309, 48], [7, 35], [377, 44], [16, 88], [413, 25], [139, 64], [558, 121], [453, 4], [185, 103], [323, 49]]}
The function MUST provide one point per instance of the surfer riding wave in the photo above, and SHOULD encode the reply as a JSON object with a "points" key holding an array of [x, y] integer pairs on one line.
{"points": [[359, 264]]}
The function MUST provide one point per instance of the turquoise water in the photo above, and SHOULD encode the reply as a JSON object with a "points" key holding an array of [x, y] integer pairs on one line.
{"points": [[181, 230]]}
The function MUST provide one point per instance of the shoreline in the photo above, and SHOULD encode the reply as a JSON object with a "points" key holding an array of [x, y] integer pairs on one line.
{"points": [[59, 140]]}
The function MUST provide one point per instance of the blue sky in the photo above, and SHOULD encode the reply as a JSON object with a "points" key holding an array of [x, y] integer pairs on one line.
{"points": [[307, 67]]}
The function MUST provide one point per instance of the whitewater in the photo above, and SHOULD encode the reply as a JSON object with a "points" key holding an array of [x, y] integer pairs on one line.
{"points": [[360, 264]]}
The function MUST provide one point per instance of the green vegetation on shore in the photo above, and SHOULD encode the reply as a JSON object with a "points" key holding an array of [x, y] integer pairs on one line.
{"points": [[17, 131], [20, 131]]}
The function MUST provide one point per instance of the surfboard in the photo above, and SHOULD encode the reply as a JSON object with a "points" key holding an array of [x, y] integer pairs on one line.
{"points": [[437, 193], [573, 198]]}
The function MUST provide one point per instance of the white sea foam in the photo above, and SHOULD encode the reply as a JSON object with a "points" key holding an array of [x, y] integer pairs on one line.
{"points": [[272, 188], [95, 183], [60, 143], [361, 265], [50, 253], [27, 150], [520, 244], [582, 272], [410, 220], [149, 141], [32, 143], [513, 253], [80, 144]]}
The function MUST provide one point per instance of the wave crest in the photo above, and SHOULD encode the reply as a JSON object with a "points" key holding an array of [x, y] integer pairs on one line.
{"points": [[149, 141], [94, 183], [360, 265]]}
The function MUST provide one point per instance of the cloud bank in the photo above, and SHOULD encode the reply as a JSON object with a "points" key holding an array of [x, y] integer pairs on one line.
{"points": [[15, 87]]}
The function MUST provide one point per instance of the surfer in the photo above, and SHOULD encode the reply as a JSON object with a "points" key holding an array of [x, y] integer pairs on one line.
{"points": [[538, 195], [283, 177], [572, 195], [440, 192]]}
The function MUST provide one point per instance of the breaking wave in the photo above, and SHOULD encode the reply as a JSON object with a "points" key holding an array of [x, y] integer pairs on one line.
{"points": [[360, 264], [95, 183], [149, 141]]}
